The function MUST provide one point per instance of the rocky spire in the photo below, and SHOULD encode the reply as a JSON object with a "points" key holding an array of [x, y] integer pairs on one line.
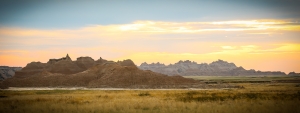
{"points": [[68, 58]]}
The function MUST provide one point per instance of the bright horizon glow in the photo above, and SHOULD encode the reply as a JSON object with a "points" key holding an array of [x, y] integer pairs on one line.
{"points": [[127, 41]]}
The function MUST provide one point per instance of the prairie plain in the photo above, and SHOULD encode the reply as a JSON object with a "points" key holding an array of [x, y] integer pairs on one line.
{"points": [[279, 95]]}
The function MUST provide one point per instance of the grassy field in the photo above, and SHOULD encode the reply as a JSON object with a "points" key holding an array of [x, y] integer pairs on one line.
{"points": [[245, 78], [272, 97]]}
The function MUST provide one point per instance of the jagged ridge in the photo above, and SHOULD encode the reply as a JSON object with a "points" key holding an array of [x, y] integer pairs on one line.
{"points": [[216, 68], [85, 72]]}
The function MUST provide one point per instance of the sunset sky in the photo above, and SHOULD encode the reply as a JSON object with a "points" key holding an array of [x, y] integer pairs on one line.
{"points": [[256, 34]]}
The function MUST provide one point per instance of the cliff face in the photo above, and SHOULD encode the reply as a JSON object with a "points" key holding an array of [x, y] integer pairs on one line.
{"points": [[8, 72], [85, 72], [216, 68]]}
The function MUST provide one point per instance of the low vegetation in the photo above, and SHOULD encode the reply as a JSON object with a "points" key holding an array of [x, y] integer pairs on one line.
{"points": [[247, 79], [253, 98]]}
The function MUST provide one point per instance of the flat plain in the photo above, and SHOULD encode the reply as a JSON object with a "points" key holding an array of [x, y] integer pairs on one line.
{"points": [[280, 95]]}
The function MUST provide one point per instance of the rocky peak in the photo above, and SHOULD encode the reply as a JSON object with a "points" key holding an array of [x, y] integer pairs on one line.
{"points": [[186, 62], [85, 62], [219, 61], [223, 65], [127, 62], [179, 62], [34, 65], [188, 67], [67, 58], [294, 74], [85, 59], [144, 64], [101, 61], [153, 64]]}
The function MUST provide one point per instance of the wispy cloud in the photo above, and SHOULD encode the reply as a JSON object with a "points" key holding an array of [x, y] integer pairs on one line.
{"points": [[151, 30], [157, 27], [194, 27]]}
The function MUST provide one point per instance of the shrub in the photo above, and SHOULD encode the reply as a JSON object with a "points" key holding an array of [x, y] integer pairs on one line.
{"points": [[144, 94]]}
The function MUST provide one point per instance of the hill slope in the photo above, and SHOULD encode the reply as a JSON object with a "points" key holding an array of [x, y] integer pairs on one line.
{"points": [[85, 72]]}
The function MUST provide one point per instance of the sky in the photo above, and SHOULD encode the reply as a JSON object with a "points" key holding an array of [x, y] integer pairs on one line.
{"points": [[258, 34]]}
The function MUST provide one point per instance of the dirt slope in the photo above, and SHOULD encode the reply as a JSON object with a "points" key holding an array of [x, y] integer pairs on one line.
{"points": [[100, 73]]}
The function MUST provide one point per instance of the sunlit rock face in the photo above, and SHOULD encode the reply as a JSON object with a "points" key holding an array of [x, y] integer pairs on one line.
{"points": [[127, 62], [85, 62], [216, 68], [52, 61]]}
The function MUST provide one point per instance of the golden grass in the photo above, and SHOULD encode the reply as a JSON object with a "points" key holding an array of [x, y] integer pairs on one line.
{"points": [[255, 98]]}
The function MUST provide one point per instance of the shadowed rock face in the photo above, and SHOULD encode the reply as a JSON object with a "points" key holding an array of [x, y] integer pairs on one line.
{"points": [[85, 72], [216, 68], [8, 72], [63, 66]]}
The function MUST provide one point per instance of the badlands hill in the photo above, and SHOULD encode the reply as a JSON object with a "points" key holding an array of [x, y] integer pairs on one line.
{"points": [[216, 68], [86, 72]]}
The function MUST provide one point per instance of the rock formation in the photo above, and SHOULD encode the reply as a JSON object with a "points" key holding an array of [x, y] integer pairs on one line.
{"points": [[216, 68], [85, 72], [85, 62], [52, 61], [63, 65], [294, 74], [127, 62], [8, 72]]}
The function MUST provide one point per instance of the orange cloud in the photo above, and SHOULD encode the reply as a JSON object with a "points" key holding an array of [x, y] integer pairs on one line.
{"points": [[282, 58], [156, 27]]}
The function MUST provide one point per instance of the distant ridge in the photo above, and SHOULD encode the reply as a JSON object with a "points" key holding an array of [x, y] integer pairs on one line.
{"points": [[86, 72], [216, 68]]}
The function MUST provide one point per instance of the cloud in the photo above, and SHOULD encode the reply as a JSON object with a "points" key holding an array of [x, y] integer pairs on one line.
{"points": [[194, 27], [160, 27], [228, 47], [280, 58], [220, 31], [154, 41], [257, 49]]}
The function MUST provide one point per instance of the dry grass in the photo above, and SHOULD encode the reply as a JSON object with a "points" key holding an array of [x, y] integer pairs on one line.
{"points": [[243, 78], [255, 98]]}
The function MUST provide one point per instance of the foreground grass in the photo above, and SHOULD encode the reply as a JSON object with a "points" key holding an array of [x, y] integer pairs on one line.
{"points": [[254, 98]]}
